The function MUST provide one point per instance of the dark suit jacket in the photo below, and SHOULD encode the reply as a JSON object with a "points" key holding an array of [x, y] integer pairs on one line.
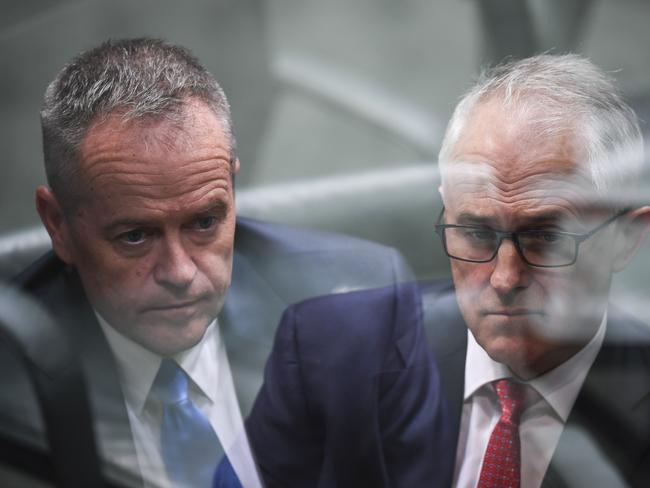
{"points": [[351, 397], [276, 265], [273, 266], [608, 430]]}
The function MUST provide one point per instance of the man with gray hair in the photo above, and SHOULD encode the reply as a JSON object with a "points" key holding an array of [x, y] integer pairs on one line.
{"points": [[140, 157], [548, 384]]}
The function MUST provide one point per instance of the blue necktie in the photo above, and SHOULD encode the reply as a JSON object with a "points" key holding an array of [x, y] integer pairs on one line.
{"points": [[191, 450]]}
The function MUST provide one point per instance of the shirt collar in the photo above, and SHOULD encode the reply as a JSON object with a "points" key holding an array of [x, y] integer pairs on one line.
{"points": [[559, 387], [138, 367]]}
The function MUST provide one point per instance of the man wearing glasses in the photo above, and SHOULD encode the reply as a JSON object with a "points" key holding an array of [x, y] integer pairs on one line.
{"points": [[550, 385]]}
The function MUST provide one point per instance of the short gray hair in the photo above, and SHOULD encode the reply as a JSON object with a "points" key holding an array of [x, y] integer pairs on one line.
{"points": [[567, 92], [139, 78]]}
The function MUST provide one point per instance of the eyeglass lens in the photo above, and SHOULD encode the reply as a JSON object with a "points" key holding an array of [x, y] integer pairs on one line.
{"points": [[538, 248]]}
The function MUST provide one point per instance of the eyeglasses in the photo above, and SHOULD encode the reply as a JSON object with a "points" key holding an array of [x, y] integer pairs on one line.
{"points": [[538, 248]]}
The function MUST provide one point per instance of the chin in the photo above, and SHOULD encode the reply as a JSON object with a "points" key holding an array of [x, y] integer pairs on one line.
{"points": [[502, 353], [171, 340], [513, 351], [524, 358]]}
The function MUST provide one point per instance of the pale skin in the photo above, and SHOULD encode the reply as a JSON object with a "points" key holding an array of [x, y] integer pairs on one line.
{"points": [[531, 319], [152, 235]]}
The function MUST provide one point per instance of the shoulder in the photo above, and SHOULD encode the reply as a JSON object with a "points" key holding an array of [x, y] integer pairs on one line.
{"points": [[44, 273], [437, 289], [360, 327], [439, 303], [287, 238], [53, 284], [626, 348], [358, 304], [626, 329], [300, 263], [281, 241]]}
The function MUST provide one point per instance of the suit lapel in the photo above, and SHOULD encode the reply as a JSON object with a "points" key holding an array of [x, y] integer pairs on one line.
{"points": [[611, 415], [447, 335]]}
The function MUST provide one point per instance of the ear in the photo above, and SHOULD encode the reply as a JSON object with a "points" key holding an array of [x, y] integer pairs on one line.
{"points": [[55, 223], [634, 226], [235, 168]]}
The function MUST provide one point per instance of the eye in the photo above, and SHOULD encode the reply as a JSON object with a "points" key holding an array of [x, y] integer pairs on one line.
{"points": [[205, 223], [133, 236], [551, 237], [547, 237], [480, 234]]}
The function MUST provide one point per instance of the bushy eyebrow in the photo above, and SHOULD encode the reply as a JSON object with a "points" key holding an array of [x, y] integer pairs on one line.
{"points": [[128, 222], [546, 218], [467, 218], [218, 208]]}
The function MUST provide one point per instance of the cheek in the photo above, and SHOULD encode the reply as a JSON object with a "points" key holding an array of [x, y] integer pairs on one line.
{"points": [[121, 283], [575, 301], [589, 291], [111, 279], [215, 265], [469, 280], [218, 269], [583, 285]]}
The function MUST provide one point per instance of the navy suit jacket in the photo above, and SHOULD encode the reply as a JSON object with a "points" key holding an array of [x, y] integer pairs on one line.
{"points": [[351, 397], [608, 430], [273, 266]]}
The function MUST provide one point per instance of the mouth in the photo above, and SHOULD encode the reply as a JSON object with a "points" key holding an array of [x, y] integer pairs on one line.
{"points": [[173, 306], [514, 312]]}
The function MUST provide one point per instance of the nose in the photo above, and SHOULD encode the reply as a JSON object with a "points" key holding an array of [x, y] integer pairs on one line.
{"points": [[510, 272], [175, 267]]}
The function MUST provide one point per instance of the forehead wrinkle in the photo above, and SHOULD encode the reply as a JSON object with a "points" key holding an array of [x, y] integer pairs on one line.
{"points": [[199, 167], [126, 152], [141, 147], [153, 192], [211, 201], [526, 211], [510, 184], [166, 209], [204, 196], [512, 169], [534, 196], [137, 170], [515, 174], [550, 183], [487, 194], [539, 189]]}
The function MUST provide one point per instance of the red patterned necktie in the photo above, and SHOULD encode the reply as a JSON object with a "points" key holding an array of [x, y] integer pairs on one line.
{"points": [[502, 461]]}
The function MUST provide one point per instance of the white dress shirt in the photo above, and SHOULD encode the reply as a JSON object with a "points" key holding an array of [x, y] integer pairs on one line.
{"points": [[211, 389], [549, 400]]}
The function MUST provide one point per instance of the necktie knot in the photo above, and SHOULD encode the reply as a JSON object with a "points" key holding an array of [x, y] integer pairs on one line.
{"points": [[170, 385], [511, 398]]}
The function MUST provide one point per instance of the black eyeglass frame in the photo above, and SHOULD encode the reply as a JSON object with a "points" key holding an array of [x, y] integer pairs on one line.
{"points": [[514, 237]]}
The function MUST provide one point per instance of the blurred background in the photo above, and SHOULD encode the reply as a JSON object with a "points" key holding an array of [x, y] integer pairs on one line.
{"points": [[339, 106]]}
